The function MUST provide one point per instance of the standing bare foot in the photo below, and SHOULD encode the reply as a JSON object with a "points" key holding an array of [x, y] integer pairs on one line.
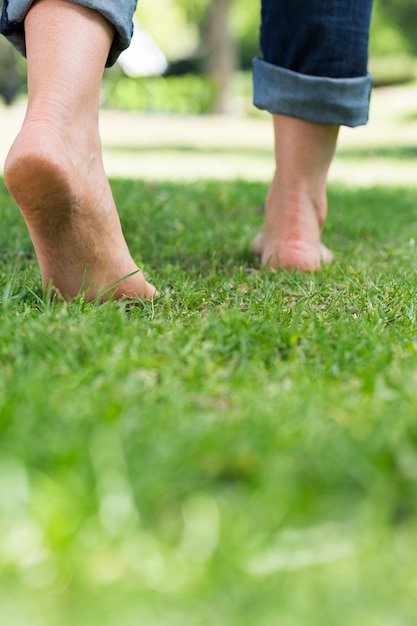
{"points": [[296, 205], [291, 235], [54, 169]]}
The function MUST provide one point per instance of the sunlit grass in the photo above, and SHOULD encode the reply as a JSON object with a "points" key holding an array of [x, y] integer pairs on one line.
{"points": [[187, 148], [243, 452], [177, 148]]}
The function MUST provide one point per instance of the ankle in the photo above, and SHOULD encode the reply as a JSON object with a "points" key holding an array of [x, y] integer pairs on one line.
{"points": [[295, 209]]}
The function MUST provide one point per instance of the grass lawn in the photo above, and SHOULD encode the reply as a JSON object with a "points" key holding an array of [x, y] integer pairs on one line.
{"points": [[241, 453]]}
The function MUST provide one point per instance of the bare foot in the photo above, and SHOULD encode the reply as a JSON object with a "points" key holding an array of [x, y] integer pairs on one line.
{"points": [[54, 169], [69, 210], [297, 257], [296, 205], [292, 231]]}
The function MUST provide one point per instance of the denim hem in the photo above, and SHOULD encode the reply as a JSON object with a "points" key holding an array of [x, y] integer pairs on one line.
{"points": [[340, 101], [14, 13]]}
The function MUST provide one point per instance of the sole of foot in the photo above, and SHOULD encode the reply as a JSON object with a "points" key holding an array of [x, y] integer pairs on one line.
{"points": [[72, 220]]}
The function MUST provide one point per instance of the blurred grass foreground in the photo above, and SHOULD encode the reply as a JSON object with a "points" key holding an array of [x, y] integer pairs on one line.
{"points": [[242, 452]]}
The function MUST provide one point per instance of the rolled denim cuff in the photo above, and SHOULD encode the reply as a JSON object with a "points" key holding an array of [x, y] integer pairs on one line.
{"points": [[120, 14], [340, 101]]}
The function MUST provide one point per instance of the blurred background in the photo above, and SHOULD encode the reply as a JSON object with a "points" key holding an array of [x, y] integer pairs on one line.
{"points": [[71, 540], [197, 59]]}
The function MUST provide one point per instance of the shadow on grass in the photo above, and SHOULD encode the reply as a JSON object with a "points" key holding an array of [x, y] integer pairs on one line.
{"points": [[189, 149], [410, 117], [380, 152]]}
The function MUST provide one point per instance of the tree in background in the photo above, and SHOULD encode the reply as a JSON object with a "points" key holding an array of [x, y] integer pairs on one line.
{"points": [[241, 18], [387, 38], [392, 50], [228, 39], [219, 36], [219, 52], [404, 14]]}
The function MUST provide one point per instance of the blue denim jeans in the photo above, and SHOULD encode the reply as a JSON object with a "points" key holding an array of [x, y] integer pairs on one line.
{"points": [[315, 56], [117, 12]]}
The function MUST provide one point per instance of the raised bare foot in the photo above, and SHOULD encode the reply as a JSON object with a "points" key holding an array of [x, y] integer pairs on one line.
{"points": [[54, 169], [291, 235], [69, 210]]}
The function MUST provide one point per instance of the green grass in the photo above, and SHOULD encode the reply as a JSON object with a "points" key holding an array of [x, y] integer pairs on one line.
{"points": [[178, 94], [186, 94], [242, 452]]}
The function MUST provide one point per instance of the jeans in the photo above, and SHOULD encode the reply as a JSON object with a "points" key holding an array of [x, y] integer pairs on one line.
{"points": [[315, 56], [117, 12]]}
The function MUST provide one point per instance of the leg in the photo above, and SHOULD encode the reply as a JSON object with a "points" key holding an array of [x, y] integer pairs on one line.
{"points": [[312, 79], [54, 169]]}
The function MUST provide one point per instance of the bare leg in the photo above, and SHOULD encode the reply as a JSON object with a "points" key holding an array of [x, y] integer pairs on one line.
{"points": [[296, 205], [54, 169]]}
